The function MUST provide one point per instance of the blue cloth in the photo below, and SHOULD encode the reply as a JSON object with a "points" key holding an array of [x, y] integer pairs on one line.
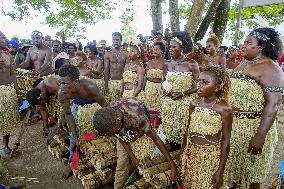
{"points": [[83, 102], [15, 44], [58, 63], [3, 186], [23, 109], [281, 168], [74, 111]]}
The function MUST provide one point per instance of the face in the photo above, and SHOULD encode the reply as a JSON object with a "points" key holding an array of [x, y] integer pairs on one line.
{"points": [[89, 52], [232, 53], [37, 40], [157, 52], [134, 54], [56, 46], [159, 36], [71, 49], [206, 85], [66, 86], [78, 60], [116, 41], [210, 47], [250, 48], [175, 49], [3, 40], [117, 124]]}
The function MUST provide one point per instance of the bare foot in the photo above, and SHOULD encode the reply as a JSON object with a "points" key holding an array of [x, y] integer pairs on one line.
{"points": [[68, 173]]}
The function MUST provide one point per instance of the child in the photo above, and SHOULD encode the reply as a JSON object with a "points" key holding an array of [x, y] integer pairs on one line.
{"points": [[206, 142]]}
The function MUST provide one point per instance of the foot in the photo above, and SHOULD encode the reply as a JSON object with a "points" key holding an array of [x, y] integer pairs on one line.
{"points": [[6, 152], [68, 173]]}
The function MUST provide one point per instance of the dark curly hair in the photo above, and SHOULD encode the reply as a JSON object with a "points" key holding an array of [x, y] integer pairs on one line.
{"points": [[161, 46], [69, 70], [117, 34], [33, 95], [93, 48], [268, 39], [185, 39], [104, 120], [222, 79]]}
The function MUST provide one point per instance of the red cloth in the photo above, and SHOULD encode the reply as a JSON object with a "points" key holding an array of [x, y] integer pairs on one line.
{"points": [[281, 60], [150, 57], [75, 161], [89, 136], [155, 119], [240, 58]]}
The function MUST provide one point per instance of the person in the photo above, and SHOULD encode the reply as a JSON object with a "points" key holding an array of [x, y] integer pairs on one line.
{"points": [[14, 50], [159, 38], [82, 92], [232, 61], [9, 115], [71, 49], [178, 89], [134, 74], [39, 56], [59, 58], [208, 132], [125, 47], [156, 71], [44, 95], [114, 63], [127, 119], [48, 41], [214, 54], [79, 46], [80, 61], [95, 63], [197, 54], [255, 98]]}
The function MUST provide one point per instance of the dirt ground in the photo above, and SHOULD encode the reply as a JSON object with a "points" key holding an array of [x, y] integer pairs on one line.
{"points": [[37, 163]]}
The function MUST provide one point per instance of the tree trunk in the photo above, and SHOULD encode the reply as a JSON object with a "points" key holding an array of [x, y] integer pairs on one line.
{"points": [[195, 16], [174, 15], [210, 16], [156, 13], [221, 19]]}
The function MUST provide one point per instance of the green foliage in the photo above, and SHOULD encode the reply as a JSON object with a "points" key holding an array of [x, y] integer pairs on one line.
{"points": [[66, 15], [128, 33], [274, 14]]}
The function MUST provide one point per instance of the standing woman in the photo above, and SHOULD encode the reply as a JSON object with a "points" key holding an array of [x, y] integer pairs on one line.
{"points": [[95, 63], [134, 74], [156, 71], [212, 48], [178, 87], [255, 97]]}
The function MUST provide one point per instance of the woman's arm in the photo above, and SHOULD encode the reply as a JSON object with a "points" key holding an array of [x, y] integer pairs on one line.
{"points": [[141, 80]]}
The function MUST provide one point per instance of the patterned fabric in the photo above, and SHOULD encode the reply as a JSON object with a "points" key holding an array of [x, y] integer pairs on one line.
{"points": [[136, 118]]}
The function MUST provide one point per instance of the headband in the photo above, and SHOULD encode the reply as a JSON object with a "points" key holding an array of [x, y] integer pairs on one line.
{"points": [[177, 40], [37, 33], [259, 35]]}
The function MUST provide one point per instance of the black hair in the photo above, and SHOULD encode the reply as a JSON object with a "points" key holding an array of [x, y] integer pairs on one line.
{"points": [[72, 44], [104, 120], [69, 70], [80, 48], [33, 95], [222, 79], [185, 39], [57, 41], [125, 44], [117, 34], [269, 40], [161, 46], [37, 82], [93, 48]]}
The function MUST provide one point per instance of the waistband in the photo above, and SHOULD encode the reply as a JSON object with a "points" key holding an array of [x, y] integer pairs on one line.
{"points": [[83, 102], [247, 115]]}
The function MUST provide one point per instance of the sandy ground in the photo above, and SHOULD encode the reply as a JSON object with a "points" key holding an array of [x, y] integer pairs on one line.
{"points": [[37, 162]]}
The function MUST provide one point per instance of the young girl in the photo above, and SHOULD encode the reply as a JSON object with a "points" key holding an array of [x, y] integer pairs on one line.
{"points": [[206, 142], [134, 74]]}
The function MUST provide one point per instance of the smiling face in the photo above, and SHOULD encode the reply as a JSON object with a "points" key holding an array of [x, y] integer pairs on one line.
{"points": [[175, 49], [206, 85], [157, 52], [3, 40], [251, 48]]}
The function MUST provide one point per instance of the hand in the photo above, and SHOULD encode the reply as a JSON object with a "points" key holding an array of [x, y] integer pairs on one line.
{"points": [[174, 174], [176, 96], [256, 144], [217, 180], [135, 163]]}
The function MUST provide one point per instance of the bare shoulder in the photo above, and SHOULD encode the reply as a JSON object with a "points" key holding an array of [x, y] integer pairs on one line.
{"points": [[223, 107], [194, 102]]}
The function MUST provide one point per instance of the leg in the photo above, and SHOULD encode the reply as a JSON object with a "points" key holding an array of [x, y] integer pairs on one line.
{"points": [[255, 186], [6, 151], [122, 171]]}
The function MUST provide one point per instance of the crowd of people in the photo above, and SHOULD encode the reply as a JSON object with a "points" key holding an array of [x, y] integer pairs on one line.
{"points": [[215, 106]]}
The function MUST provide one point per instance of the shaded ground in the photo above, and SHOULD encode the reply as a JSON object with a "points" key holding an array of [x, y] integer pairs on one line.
{"points": [[37, 162]]}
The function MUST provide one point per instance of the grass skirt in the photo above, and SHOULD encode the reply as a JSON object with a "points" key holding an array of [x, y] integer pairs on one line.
{"points": [[199, 163], [174, 115], [114, 90], [153, 94], [9, 115], [245, 167], [101, 85]]}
